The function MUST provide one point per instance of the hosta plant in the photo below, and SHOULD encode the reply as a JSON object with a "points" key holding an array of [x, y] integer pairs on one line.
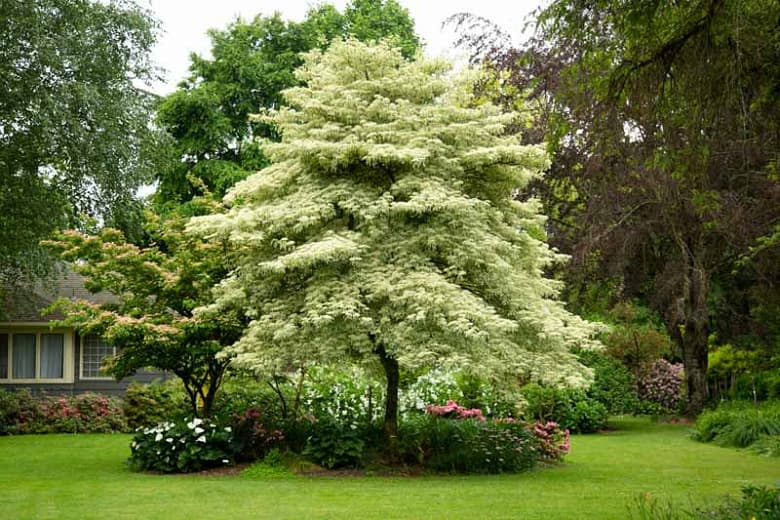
{"points": [[183, 446]]}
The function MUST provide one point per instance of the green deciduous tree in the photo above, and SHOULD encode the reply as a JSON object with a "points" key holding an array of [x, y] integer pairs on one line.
{"points": [[74, 130], [385, 230], [251, 63], [375, 20], [157, 288], [664, 121]]}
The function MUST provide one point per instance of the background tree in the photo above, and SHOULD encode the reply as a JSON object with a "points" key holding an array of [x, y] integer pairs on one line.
{"points": [[153, 320], [251, 63], [385, 230], [74, 130], [664, 125]]}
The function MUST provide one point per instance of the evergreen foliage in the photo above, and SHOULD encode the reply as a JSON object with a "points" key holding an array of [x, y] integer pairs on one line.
{"points": [[386, 229]]}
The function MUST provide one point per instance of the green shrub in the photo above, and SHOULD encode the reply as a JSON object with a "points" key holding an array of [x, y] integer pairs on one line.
{"points": [[271, 467], [297, 431], [767, 446], [182, 446], [466, 445], [738, 424], [148, 404], [761, 386], [334, 444], [240, 393], [614, 385], [20, 412], [571, 409]]}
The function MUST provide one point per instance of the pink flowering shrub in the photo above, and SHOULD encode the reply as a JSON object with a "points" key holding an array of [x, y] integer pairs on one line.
{"points": [[84, 413], [661, 387], [22, 412], [552, 442], [453, 410]]}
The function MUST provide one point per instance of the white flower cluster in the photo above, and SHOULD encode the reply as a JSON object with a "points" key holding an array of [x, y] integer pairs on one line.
{"points": [[347, 396], [185, 445], [434, 387], [161, 432]]}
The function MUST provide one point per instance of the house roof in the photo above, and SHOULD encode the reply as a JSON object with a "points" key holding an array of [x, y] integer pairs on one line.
{"points": [[24, 303]]}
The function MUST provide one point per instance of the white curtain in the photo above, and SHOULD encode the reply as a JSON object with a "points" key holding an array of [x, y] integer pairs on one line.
{"points": [[52, 349], [24, 356]]}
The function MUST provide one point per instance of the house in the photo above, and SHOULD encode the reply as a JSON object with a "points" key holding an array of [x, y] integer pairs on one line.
{"points": [[54, 360]]}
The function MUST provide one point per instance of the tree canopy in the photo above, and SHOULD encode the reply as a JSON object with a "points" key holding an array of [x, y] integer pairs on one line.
{"points": [[157, 289], [75, 137], [251, 63], [663, 120], [385, 230]]}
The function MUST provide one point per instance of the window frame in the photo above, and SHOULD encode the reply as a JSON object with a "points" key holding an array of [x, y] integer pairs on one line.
{"points": [[67, 354], [82, 337]]}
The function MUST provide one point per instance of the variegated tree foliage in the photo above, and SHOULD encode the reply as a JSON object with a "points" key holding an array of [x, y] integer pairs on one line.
{"points": [[386, 227]]}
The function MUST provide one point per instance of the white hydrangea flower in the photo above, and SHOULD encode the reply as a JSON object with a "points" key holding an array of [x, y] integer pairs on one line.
{"points": [[158, 437], [202, 438]]}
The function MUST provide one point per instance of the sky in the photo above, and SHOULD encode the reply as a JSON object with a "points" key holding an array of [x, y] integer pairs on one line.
{"points": [[185, 22]]}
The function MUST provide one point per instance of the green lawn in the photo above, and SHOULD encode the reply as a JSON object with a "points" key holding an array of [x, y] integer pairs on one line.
{"points": [[83, 476]]}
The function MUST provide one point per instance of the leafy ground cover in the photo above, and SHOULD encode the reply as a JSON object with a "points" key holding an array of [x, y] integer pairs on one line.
{"points": [[84, 476]]}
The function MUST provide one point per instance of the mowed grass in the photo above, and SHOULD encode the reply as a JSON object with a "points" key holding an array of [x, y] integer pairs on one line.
{"points": [[84, 476]]}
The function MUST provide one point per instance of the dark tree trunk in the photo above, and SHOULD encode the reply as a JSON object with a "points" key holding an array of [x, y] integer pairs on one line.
{"points": [[392, 374], [216, 372], [694, 349], [192, 393], [690, 328]]}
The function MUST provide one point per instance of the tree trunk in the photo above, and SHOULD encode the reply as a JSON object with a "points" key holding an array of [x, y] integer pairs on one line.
{"points": [[690, 328], [392, 375], [694, 348]]}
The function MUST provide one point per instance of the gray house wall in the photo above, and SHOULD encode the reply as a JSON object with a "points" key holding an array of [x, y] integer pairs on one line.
{"points": [[80, 386]]}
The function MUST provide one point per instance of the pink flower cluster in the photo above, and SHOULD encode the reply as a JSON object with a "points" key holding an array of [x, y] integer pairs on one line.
{"points": [[662, 384], [553, 442], [82, 406], [453, 410]]}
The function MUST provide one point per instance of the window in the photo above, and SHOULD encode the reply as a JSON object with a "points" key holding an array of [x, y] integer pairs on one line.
{"points": [[32, 355], [93, 352], [52, 354], [3, 356], [23, 354]]}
